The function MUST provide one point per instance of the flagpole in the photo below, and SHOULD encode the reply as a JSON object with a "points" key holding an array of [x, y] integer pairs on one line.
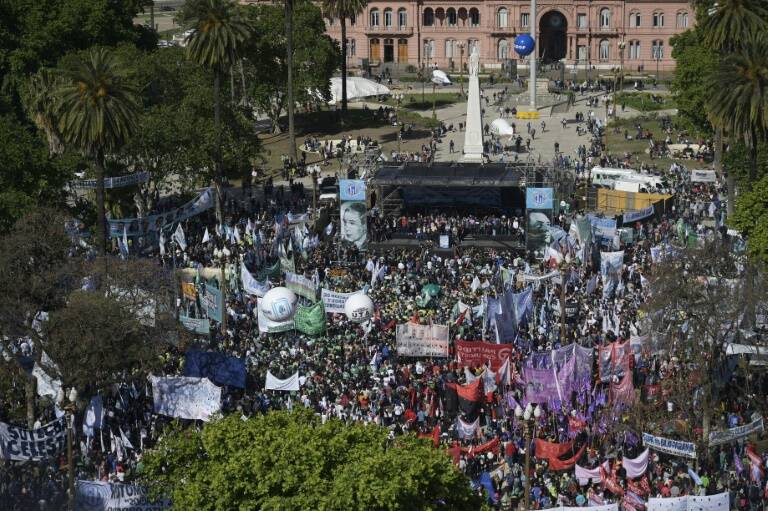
{"points": [[562, 306]]}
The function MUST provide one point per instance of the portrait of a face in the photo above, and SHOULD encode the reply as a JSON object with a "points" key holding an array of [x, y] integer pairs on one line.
{"points": [[539, 236], [353, 223]]}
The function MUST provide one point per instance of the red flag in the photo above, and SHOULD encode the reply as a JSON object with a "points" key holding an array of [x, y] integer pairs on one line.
{"points": [[390, 325], [415, 318], [461, 317]]}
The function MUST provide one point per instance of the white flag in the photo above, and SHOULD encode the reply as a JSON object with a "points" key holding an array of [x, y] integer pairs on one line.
{"points": [[124, 247], [206, 236], [290, 383], [162, 243], [178, 237], [126, 442], [251, 285], [475, 284]]}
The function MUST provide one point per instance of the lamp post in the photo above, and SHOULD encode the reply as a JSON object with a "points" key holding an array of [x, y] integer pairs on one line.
{"points": [[425, 70], [398, 96], [618, 74], [69, 405], [314, 171], [222, 257], [434, 99], [461, 67], [529, 433], [657, 54]]}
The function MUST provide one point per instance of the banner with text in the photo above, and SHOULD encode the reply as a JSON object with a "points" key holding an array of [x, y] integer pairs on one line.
{"points": [[151, 223], [475, 353], [669, 446], [729, 435], [333, 301], [104, 496], [21, 444], [354, 218], [422, 340]]}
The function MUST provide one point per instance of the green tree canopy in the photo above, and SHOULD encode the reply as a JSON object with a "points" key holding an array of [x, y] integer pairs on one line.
{"points": [[291, 461], [693, 62], [751, 218]]}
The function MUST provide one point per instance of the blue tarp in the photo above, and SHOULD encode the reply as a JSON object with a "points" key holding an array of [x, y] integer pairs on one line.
{"points": [[219, 368]]}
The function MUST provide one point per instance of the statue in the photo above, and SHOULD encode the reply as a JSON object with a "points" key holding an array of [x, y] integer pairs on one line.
{"points": [[474, 62]]}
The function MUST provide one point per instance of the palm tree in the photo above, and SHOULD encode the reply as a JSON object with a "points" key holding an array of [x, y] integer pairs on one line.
{"points": [[343, 9], [218, 33], [97, 112], [727, 26], [289, 78], [40, 103], [739, 98]]}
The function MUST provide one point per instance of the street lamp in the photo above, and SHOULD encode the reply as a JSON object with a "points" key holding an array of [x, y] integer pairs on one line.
{"points": [[398, 97], [69, 405], [461, 67], [657, 54], [222, 256], [618, 72], [425, 70], [314, 172], [528, 433]]}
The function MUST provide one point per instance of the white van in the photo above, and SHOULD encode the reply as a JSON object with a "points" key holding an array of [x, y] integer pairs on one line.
{"points": [[606, 177], [627, 180]]}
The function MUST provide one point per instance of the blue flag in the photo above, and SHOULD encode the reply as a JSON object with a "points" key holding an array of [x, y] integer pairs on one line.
{"points": [[220, 368]]}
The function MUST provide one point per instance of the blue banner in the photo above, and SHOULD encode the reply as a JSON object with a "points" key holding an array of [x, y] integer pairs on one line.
{"points": [[220, 368], [213, 302], [152, 223], [352, 189], [634, 216], [539, 198]]}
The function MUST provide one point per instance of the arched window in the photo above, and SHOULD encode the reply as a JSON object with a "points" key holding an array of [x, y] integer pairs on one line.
{"points": [[429, 17], [634, 50], [351, 47], [450, 46], [387, 17], [657, 50], [474, 17], [658, 19], [471, 45], [440, 15], [374, 17], [682, 20], [503, 52], [502, 17], [429, 49], [605, 50], [605, 17], [451, 15], [634, 19], [463, 16], [402, 18]]}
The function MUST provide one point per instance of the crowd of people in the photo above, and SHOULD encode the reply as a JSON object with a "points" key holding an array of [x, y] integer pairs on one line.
{"points": [[354, 373]]}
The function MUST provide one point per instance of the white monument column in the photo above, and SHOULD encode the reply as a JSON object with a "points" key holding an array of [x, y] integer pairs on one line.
{"points": [[473, 136], [532, 85]]}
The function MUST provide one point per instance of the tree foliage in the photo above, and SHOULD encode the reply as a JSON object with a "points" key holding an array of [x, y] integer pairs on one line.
{"points": [[693, 63], [315, 58], [291, 461], [751, 218]]}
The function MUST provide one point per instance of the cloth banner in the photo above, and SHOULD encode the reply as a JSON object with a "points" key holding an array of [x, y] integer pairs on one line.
{"points": [[586, 476], [614, 360], [477, 353], [719, 502], [552, 452], [622, 392], [213, 302], [603, 228], [729, 435], [216, 366], [266, 325], [607, 507], [703, 176], [633, 216], [610, 268], [152, 223], [353, 221], [333, 301], [104, 496], [422, 340], [467, 430], [538, 278], [46, 385], [289, 384], [252, 286], [113, 182], [269, 272], [669, 446], [200, 326], [310, 320], [21, 444], [185, 398], [301, 285], [94, 415]]}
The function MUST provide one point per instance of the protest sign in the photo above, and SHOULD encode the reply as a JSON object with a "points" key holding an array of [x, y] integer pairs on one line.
{"points": [[353, 221], [213, 302], [21, 444], [216, 366], [669, 446], [333, 301], [252, 286], [104, 496], [186, 398], [729, 435], [310, 320], [475, 353], [188, 290], [200, 326], [422, 340]]}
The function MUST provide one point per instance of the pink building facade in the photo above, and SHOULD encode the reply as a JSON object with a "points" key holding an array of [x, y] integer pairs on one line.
{"points": [[580, 33]]}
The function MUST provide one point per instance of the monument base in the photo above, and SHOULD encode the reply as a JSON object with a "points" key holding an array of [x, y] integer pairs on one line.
{"points": [[472, 158]]}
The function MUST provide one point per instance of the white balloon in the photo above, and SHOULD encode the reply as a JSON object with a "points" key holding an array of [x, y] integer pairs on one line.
{"points": [[279, 304], [359, 308]]}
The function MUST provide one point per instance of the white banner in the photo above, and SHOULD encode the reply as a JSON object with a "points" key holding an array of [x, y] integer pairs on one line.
{"points": [[21, 444], [333, 301], [185, 397], [252, 286], [288, 384], [669, 446], [266, 325], [729, 435], [422, 340], [719, 502], [46, 386], [103, 496], [607, 507], [467, 430], [703, 176]]}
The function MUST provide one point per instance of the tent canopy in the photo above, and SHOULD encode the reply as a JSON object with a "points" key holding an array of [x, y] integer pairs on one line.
{"points": [[440, 78], [502, 128], [356, 88]]}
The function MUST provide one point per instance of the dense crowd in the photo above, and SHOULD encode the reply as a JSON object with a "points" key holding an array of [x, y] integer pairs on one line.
{"points": [[354, 372]]}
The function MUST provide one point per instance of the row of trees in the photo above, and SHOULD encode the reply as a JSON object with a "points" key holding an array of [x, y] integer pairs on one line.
{"points": [[721, 84]]}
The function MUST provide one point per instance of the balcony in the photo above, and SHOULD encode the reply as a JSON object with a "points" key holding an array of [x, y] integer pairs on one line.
{"points": [[388, 30], [503, 31], [451, 28]]}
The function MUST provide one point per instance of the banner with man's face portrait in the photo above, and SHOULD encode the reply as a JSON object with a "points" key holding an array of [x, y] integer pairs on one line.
{"points": [[353, 219], [538, 207]]}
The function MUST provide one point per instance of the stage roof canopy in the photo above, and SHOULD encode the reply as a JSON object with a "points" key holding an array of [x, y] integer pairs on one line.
{"points": [[449, 174]]}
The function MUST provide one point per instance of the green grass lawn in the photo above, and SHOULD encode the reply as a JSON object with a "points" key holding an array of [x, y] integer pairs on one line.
{"points": [[644, 101], [413, 99], [617, 145]]}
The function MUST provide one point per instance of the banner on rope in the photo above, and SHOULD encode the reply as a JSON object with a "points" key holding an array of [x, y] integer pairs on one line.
{"points": [[218, 367], [153, 223], [21, 444], [104, 496], [633, 216], [669, 446], [422, 340], [186, 398], [719, 502], [113, 182], [729, 435], [301, 285], [476, 353], [703, 176]]}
